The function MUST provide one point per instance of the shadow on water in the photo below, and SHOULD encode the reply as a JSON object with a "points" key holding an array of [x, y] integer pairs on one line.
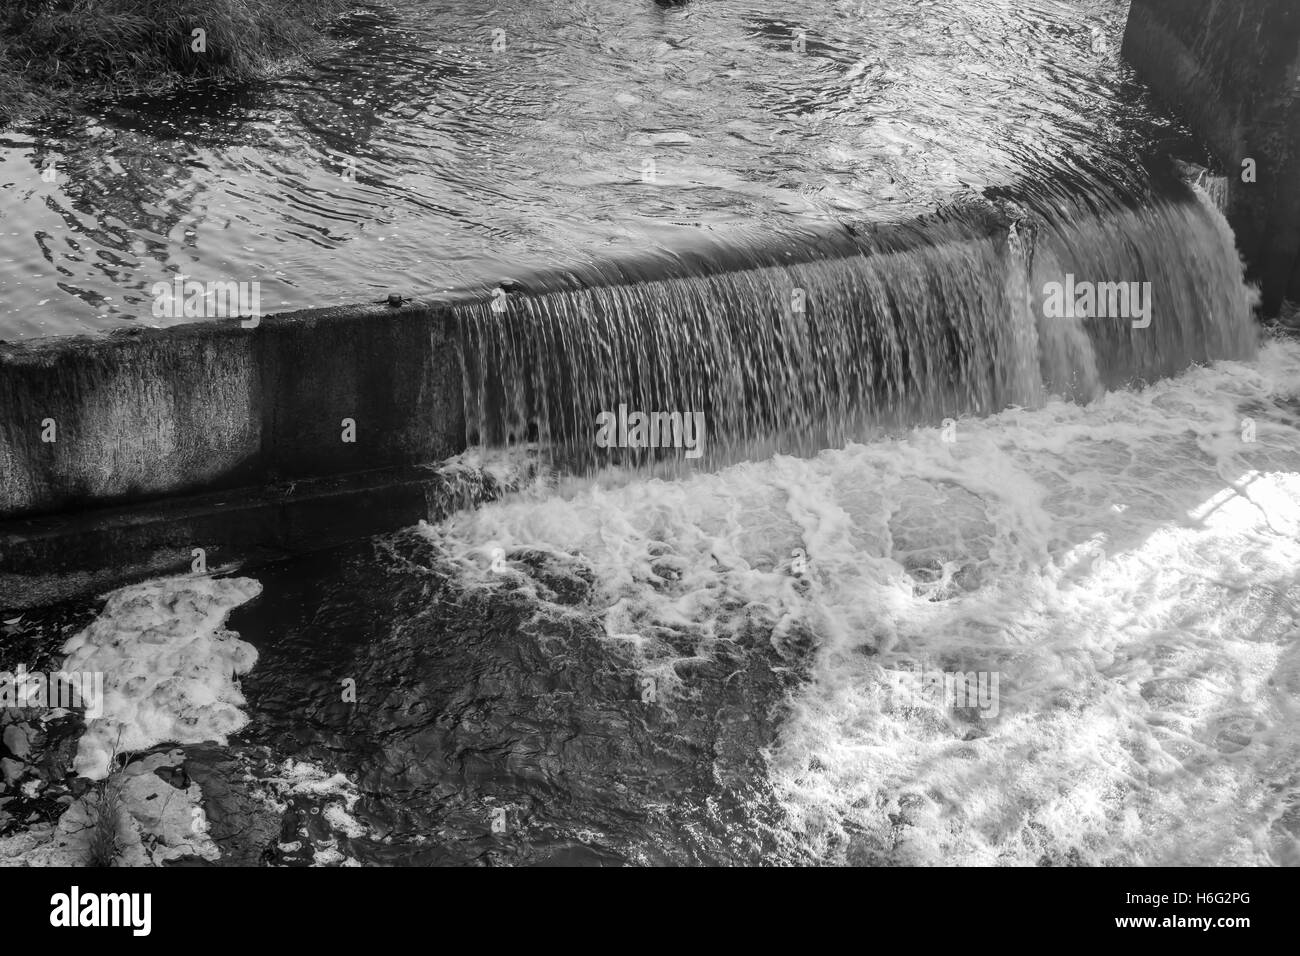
{"points": [[470, 703]]}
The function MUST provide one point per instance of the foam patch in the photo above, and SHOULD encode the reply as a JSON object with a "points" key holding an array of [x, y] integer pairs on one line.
{"points": [[170, 667]]}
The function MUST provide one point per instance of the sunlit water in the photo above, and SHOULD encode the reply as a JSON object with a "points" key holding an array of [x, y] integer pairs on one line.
{"points": [[1130, 569], [785, 351], [601, 128]]}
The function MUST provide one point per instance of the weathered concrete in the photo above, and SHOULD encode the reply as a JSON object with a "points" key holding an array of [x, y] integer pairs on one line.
{"points": [[141, 414], [1231, 68], [123, 453], [111, 419]]}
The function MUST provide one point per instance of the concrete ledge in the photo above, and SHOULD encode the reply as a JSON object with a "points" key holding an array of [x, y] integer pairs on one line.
{"points": [[122, 453], [231, 439], [140, 414]]}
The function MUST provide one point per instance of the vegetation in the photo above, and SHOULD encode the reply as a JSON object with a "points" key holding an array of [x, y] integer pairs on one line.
{"points": [[53, 51], [103, 846]]}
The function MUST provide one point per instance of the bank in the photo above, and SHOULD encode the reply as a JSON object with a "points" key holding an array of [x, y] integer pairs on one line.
{"points": [[57, 53]]}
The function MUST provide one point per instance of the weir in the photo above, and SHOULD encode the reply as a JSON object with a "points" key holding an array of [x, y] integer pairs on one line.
{"points": [[789, 346], [978, 547], [795, 356], [124, 453]]}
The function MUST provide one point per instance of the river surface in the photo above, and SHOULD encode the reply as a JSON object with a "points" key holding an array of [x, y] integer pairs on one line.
{"points": [[412, 157]]}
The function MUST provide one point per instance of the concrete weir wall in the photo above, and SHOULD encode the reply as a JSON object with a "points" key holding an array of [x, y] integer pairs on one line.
{"points": [[122, 453], [1231, 69], [326, 409]]}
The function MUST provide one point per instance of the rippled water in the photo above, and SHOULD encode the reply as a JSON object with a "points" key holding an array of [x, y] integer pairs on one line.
{"points": [[470, 163]]}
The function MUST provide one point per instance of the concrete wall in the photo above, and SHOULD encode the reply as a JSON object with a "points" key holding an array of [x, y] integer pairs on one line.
{"points": [[1231, 69], [216, 437], [142, 414], [123, 453]]}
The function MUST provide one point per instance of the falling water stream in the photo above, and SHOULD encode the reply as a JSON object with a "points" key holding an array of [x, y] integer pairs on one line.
{"points": [[796, 356]]}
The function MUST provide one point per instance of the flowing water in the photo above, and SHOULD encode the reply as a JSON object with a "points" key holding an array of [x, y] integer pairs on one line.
{"points": [[715, 669], [1129, 569], [601, 128], [800, 356], [913, 471]]}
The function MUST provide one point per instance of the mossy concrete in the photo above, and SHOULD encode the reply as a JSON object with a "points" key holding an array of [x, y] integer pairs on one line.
{"points": [[93, 421]]}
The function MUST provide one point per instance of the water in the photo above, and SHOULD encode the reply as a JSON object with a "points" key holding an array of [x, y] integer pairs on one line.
{"points": [[705, 670], [917, 470], [471, 164], [865, 333], [1129, 568]]}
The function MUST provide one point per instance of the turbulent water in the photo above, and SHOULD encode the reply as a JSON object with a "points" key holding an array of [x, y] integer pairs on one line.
{"points": [[602, 127], [719, 669], [607, 667], [1128, 568]]}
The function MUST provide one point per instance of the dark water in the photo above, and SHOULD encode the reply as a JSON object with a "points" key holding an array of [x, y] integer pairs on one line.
{"points": [[470, 163], [469, 702]]}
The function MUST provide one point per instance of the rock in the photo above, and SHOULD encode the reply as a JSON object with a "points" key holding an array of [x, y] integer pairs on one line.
{"points": [[156, 824], [11, 770], [239, 822], [18, 739], [1230, 75]]}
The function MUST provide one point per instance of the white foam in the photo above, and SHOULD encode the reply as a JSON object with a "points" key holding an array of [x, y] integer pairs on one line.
{"points": [[1131, 569], [169, 667]]}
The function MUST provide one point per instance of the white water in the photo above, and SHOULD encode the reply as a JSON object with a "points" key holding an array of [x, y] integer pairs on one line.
{"points": [[170, 667], [1130, 570]]}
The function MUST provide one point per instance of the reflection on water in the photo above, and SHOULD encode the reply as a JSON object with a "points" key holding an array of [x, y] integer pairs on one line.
{"points": [[601, 127]]}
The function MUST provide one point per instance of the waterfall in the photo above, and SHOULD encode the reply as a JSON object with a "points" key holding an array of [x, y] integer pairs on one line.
{"points": [[793, 347]]}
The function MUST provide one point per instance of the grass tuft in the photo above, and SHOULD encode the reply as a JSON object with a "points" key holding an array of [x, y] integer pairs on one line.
{"points": [[103, 846], [66, 49]]}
